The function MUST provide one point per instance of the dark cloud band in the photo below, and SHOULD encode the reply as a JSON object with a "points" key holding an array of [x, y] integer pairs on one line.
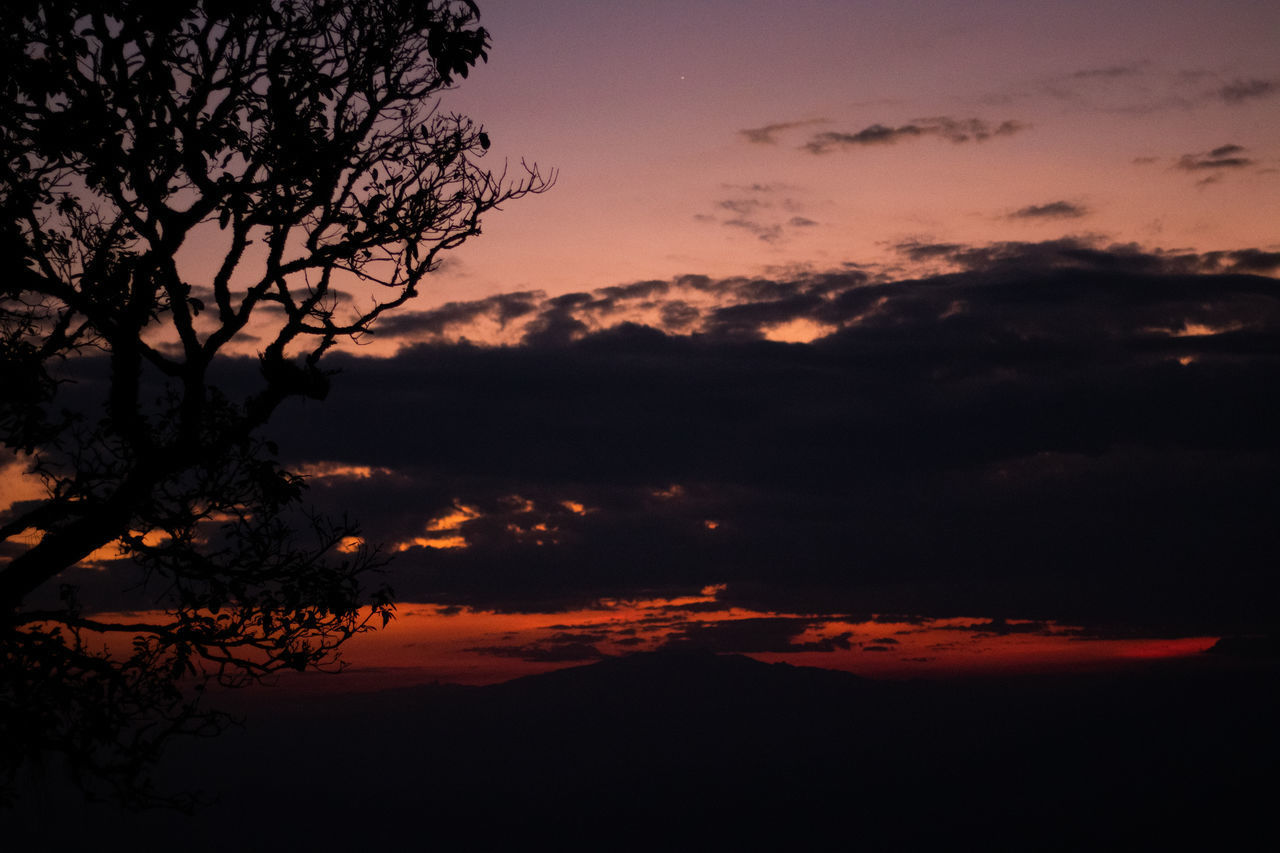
{"points": [[943, 127], [1055, 430]]}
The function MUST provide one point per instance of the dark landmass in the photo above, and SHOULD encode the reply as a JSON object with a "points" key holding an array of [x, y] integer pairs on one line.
{"points": [[688, 750], [1257, 647]]}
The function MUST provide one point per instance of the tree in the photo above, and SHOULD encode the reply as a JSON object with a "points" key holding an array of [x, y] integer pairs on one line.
{"points": [[303, 141]]}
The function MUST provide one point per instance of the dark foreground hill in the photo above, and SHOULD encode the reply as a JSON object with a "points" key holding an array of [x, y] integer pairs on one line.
{"points": [[691, 751]]}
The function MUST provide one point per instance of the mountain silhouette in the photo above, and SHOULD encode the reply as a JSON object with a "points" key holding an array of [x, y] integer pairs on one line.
{"points": [[685, 749], [687, 680]]}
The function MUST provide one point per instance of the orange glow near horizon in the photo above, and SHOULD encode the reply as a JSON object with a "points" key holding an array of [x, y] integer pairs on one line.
{"points": [[433, 643], [429, 643]]}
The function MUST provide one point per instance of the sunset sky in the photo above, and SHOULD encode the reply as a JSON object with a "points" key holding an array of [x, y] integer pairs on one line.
{"points": [[872, 434], [764, 167], [898, 337], [760, 138]]}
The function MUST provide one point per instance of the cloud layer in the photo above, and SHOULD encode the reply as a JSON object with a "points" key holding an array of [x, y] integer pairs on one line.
{"points": [[1052, 431]]}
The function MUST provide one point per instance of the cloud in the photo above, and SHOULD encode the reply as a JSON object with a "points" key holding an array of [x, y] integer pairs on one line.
{"points": [[1109, 72], [678, 316], [917, 251], [758, 211], [944, 127], [759, 187], [1089, 87], [964, 130], [767, 135], [755, 307], [1227, 150], [1014, 257], [1001, 627], [1036, 432], [1241, 260], [1063, 430], [746, 217], [1240, 90], [754, 635], [876, 134], [1139, 88], [767, 233], [741, 206], [502, 309], [1222, 157], [1052, 210]]}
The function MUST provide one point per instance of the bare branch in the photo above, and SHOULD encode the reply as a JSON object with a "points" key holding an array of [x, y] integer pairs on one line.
{"points": [[307, 140]]}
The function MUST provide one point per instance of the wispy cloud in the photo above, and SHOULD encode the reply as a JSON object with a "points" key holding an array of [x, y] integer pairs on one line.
{"points": [[1093, 85], [768, 135], [943, 127], [759, 187], [769, 233], [1222, 157], [1240, 90], [1052, 210], [1109, 72], [758, 209], [1140, 87]]}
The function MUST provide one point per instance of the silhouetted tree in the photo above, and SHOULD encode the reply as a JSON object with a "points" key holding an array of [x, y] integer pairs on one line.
{"points": [[182, 180]]}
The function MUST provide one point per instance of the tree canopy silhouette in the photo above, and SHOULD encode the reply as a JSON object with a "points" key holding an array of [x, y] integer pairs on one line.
{"points": [[181, 181]]}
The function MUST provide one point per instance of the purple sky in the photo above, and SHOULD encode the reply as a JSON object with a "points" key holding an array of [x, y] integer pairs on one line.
{"points": [[1111, 116]]}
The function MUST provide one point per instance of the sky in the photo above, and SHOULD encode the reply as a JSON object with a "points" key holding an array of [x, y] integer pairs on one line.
{"points": [[752, 138], [898, 337], [1025, 380]]}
